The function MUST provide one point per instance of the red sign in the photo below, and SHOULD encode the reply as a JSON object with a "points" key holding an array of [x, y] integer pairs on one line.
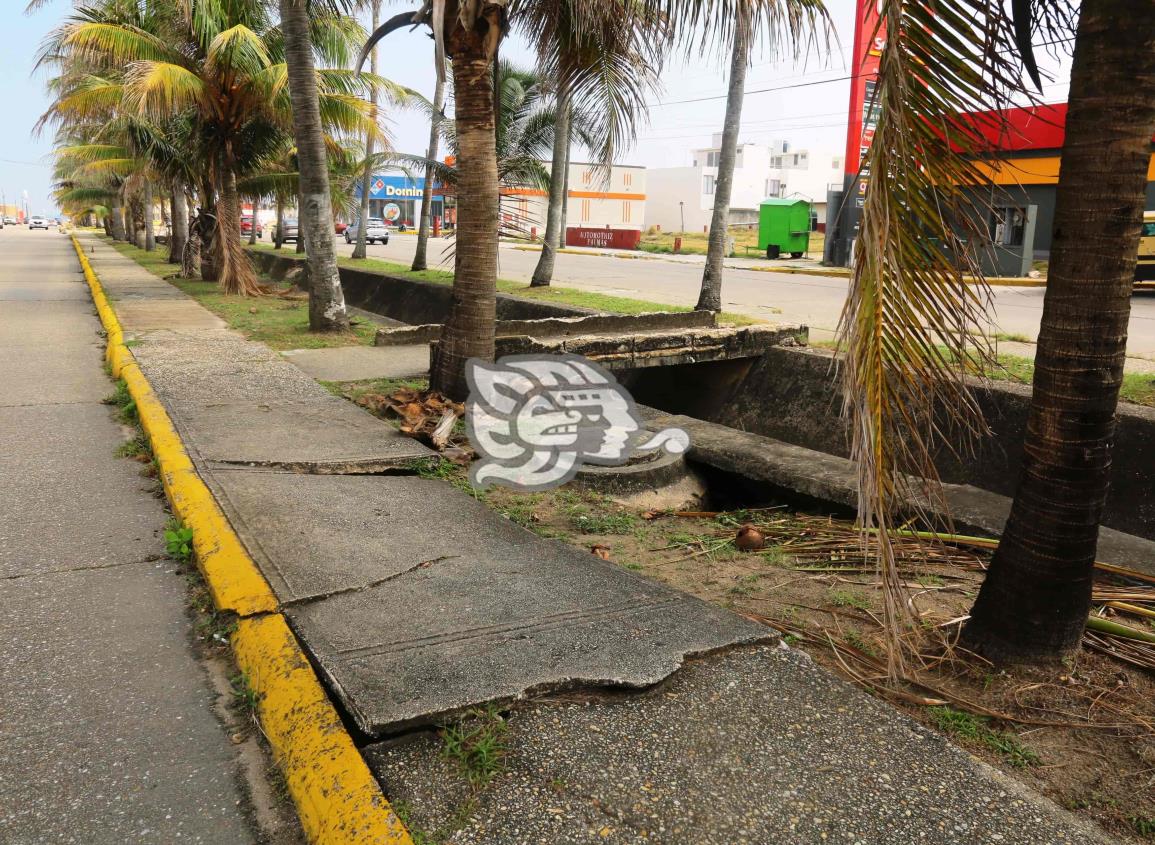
{"points": [[605, 238], [869, 41]]}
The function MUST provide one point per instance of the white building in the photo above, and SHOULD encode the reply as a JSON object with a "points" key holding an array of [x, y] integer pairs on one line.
{"points": [[595, 200], [682, 198]]}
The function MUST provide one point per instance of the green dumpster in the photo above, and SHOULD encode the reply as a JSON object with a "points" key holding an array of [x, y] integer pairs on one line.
{"points": [[784, 227]]}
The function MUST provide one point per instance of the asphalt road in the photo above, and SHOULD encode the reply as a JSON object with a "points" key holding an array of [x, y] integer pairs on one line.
{"points": [[108, 732], [815, 301]]}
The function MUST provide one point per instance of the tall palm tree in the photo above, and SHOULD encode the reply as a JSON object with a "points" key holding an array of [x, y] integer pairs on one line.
{"points": [[363, 216], [910, 319], [437, 117], [710, 297], [613, 85]]}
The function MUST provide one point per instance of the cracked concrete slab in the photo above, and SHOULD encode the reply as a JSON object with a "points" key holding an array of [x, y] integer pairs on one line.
{"points": [[316, 535], [754, 747], [360, 363], [492, 624]]}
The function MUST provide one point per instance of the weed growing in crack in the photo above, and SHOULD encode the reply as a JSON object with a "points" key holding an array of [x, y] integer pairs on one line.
{"points": [[244, 696], [125, 404], [477, 745], [178, 541]]}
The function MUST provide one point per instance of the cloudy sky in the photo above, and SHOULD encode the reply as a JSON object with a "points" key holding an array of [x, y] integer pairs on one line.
{"points": [[806, 103]]}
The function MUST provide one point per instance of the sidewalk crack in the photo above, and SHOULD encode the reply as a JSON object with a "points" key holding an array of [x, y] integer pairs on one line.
{"points": [[425, 564]]}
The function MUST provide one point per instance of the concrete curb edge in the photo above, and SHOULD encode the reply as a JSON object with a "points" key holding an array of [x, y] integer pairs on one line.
{"points": [[337, 798]]}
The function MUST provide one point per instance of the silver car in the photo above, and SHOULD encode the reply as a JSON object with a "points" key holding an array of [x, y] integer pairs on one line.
{"points": [[375, 231]]}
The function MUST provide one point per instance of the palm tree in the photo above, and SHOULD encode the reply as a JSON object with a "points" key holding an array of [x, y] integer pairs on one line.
{"points": [[710, 297], [359, 249], [420, 260], [909, 322], [559, 163], [613, 85], [218, 65]]}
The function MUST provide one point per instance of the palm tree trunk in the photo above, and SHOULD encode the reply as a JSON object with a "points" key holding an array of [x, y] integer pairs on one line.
{"points": [[280, 221], [117, 218], [543, 273], [179, 223], [710, 297], [565, 185], [469, 329], [420, 257], [326, 300], [149, 229], [370, 138], [236, 273], [1034, 601], [253, 227], [208, 229]]}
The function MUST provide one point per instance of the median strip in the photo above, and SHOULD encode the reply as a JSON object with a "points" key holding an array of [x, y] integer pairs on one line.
{"points": [[337, 798]]}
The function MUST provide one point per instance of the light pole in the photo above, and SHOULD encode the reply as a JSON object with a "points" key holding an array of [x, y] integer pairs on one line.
{"points": [[682, 212]]}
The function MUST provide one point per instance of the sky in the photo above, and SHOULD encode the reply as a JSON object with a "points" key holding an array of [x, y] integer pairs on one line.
{"points": [[809, 117]]}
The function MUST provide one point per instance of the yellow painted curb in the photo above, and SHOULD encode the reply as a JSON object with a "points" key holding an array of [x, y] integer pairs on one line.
{"points": [[338, 800], [233, 579]]}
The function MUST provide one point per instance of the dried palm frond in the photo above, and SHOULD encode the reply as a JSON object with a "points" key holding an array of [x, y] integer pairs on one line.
{"points": [[912, 325]]}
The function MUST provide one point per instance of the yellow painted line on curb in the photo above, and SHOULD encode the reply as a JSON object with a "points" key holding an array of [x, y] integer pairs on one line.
{"points": [[233, 579], [338, 800]]}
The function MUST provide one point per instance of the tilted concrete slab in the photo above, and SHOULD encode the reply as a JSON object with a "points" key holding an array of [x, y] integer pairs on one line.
{"points": [[321, 435], [361, 363], [489, 624], [315, 535]]}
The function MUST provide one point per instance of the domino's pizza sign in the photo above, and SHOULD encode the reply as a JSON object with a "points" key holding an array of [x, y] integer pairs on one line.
{"points": [[394, 188]]}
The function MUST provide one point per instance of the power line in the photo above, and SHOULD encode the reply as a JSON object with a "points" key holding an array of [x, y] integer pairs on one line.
{"points": [[755, 91]]}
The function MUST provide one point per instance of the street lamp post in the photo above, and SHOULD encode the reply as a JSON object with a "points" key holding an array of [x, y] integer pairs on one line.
{"points": [[682, 212]]}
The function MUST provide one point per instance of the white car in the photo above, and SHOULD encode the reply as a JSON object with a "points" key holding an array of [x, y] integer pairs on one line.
{"points": [[38, 223], [375, 231]]}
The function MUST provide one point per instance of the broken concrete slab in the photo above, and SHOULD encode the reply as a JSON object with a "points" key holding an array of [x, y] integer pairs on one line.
{"points": [[314, 536], [491, 625], [756, 746], [362, 363]]}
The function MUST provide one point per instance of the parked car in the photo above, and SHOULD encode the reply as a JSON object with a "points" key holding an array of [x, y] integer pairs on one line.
{"points": [[247, 227], [291, 230], [374, 231], [9, 220], [38, 223]]}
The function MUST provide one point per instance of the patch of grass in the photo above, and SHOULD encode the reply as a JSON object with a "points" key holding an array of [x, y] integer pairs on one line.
{"points": [[697, 243], [137, 448], [848, 598], [178, 541], [1012, 337], [855, 639], [279, 323], [603, 523], [1143, 826], [552, 293], [977, 729], [477, 744]]}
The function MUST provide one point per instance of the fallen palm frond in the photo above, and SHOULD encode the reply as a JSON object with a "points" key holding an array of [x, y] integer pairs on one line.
{"points": [[425, 415]]}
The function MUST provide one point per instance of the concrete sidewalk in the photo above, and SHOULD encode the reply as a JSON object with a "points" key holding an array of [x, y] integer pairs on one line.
{"points": [[418, 603], [108, 733]]}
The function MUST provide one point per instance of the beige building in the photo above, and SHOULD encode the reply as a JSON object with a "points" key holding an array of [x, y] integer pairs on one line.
{"points": [[594, 201]]}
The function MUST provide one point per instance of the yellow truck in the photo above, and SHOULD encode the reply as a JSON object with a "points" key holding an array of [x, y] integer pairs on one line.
{"points": [[1145, 269]]}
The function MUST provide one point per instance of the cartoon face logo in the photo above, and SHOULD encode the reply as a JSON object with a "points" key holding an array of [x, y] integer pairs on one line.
{"points": [[535, 419]]}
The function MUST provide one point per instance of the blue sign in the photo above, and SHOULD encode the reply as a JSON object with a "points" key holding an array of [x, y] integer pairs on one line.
{"points": [[394, 188]]}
